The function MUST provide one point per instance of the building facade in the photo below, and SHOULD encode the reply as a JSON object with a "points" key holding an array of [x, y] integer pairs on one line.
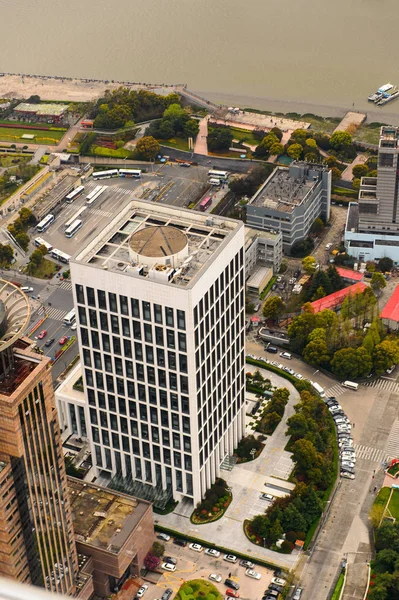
{"points": [[36, 533], [290, 200], [372, 225], [262, 248], [159, 297]]}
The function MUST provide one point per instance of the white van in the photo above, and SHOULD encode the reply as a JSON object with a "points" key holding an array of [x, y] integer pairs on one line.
{"points": [[286, 355], [350, 385], [318, 389]]}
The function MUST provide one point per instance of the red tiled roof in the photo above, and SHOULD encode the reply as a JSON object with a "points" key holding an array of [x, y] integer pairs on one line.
{"points": [[337, 298], [350, 274], [391, 309]]}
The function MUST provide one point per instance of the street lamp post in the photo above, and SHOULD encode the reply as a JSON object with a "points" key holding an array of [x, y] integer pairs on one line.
{"points": [[252, 453]]}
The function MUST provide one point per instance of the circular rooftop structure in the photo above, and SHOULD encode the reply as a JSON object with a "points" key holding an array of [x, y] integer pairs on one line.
{"points": [[162, 244], [14, 313]]}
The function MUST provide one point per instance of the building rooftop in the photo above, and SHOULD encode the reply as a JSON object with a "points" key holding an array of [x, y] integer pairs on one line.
{"points": [[336, 299], [287, 188], [391, 309], [101, 517], [159, 242], [350, 274], [258, 276], [47, 109], [251, 234], [352, 218]]}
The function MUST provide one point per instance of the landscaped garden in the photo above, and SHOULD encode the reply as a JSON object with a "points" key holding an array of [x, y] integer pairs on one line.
{"points": [[274, 412], [217, 500], [198, 589], [41, 136], [249, 448]]}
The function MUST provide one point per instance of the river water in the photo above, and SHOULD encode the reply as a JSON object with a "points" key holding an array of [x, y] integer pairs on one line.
{"points": [[311, 54]]}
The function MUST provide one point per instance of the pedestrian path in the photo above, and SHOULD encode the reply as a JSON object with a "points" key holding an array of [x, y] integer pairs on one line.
{"points": [[383, 383], [370, 453], [55, 313], [65, 285], [102, 213], [392, 447]]}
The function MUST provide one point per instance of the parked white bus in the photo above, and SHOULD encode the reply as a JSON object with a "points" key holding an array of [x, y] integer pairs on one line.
{"points": [[350, 385], [106, 174], [45, 223], [61, 256], [93, 197], [70, 317], [130, 173], [73, 228], [222, 175], [74, 194], [81, 210], [41, 242], [318, 389]]}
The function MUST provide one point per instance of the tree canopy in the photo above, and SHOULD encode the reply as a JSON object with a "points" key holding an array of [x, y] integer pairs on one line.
{"points": [[148, 147]]}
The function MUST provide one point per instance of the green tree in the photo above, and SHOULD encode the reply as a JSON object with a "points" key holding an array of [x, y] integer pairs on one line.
{"points": [[277, 132], [309, 264], [261, 526], [165, 129], [191, 128], [22, 239], [316, 353], [351, 362], [341, 140], [6, 254], [276, 149], [311, 143], [276, 531], [298, 426], [174, 111], [378, 282], [272, 308], [148, 147], [299, 330], [26, 216], [378, 592], [356, 184], [335, 278], [385, 264], [335, 174], [295, 151], [319, 293], [317, 226], [385, 561], [220, 138], [34, 99], [304, 455], [158, 549], [385, 355], [360, 171], [300, 135]]}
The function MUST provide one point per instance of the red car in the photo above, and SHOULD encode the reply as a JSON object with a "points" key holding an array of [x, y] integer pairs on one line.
{"points": [[42, 334], [232, 593], [63, 340]]}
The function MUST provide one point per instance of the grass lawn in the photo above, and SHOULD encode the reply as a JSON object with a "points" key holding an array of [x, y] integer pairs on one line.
{"points": [[369, 133], [338, 587], [324, 125], [14, 135], [109, 152], [382, 496], [45, 269], [10, 160], [229, 154], [197, 588], [393, 505], [243, 135], [178, 143]]}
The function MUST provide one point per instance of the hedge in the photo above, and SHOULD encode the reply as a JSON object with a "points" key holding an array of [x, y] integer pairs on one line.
{"points": [[189, 538]]}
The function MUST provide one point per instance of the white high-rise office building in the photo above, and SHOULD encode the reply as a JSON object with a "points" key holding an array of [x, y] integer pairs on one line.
{"points": [[159, 297]]}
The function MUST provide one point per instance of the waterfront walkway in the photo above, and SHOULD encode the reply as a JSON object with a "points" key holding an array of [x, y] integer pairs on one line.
{"points": [[350, 120]]}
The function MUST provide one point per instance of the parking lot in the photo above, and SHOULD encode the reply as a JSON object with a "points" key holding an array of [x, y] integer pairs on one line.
{"points": [[198, 565]]}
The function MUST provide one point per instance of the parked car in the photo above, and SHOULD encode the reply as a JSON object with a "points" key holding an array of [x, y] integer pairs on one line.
{"points": [[389, 371], [231, 583], [170, 559], [286, 355], [196, 547], [27, 289], [230, 558], [212, 552], [273, 587], [348, 469], [298, 593], [142, 590], [63, 340], [167, 594], [348, 463], [168, 566], [232, 593], [215, 577], [253, 574], [272, 349], [347, 456], [49, 342], [347, 475], [278, 581], [247, 564], [273, 593], [163, 536], [180, 542], [268, 497], [42, 334]]}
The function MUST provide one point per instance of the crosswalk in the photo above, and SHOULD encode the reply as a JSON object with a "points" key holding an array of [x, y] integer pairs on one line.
{"points": [[101, 213], [55, 313], [383, 383], [370, 453], [392, 447], [65, 285], [335, 390]]}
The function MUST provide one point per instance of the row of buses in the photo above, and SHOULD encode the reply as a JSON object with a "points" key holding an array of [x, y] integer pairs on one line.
{"points": [[54, 252], [135, 173]]}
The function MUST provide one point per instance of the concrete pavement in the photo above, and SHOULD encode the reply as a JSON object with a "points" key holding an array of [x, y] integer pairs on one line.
{"points": [[201, 144], [347, 175]]}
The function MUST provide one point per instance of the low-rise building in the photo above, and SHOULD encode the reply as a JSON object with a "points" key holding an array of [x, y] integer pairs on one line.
{"points": [[349, 275], [334, 301], [390, 312], [259, 280], [43, 112], [114, 529], [264, 248], [290, 200]]}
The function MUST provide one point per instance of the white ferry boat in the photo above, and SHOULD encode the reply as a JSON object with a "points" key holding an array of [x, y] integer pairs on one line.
{"points": [[384, 89]]}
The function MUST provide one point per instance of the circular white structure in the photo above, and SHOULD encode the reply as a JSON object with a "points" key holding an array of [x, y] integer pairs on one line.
{"points": [[14, 314], [158, 245]]}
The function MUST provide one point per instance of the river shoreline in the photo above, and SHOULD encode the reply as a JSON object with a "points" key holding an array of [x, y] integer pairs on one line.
{"points": [[59, 88]]}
